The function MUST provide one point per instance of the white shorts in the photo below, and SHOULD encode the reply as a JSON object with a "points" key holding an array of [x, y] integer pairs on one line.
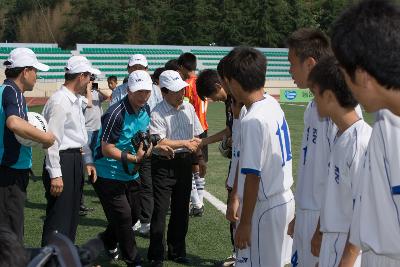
{"points": [[304, 228], [270, 245], [370, 259], [332, 248]]}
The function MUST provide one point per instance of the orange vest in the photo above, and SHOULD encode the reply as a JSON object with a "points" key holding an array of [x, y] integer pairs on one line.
{"points": [[199, 106]]}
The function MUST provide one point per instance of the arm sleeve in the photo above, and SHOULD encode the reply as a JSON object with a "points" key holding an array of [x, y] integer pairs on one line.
{"points": [[112, 124], [158, 125], [254, 146], [13, 103], [56, 116]]}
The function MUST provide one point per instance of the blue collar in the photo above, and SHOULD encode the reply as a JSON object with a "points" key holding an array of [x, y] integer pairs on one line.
{"points": [[12, 84]]}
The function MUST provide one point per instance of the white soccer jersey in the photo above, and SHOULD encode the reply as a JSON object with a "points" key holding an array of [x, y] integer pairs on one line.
{"points": [[346, 160], [265, 148], [312, 171], [313, 160], [379, 203]]}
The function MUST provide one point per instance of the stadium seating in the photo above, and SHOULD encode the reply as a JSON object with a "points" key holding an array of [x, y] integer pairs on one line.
{"points": [[113, 60]]}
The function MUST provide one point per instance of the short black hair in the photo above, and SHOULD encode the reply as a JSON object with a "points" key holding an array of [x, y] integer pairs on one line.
{"points": [[71, 76], [207, 83], [172, 64], [327, 75], [112, 78], [247, 66], [188, 61], [367, 36], [309, 42], [164, 90], [157, 73], [12, 252], [13, 72], [220, 67]]}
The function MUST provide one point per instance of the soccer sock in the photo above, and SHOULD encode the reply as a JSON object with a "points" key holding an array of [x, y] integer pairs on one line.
{"points": [[200, 183], [194, 196]]}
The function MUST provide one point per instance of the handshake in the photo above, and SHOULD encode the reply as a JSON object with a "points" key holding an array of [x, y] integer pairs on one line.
{"points": [[194, 144]]}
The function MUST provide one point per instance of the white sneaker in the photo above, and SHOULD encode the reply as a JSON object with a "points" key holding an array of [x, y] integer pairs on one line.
{"points": [[230, 261], [144, 229], [136, 226]]}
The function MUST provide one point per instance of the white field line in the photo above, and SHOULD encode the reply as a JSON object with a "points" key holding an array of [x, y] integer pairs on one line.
{"points": [[291, 104], [218, 204]]}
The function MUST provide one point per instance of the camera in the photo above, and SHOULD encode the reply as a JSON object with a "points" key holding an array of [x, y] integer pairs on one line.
{"points": [[95, 86], [146, 138]]}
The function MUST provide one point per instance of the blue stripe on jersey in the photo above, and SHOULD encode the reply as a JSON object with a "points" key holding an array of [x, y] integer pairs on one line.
{"points": [[118, 125], [250, 171], [396, 190], [12, 153]]}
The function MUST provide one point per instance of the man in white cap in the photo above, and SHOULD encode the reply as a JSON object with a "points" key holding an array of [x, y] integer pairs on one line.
{"points": [[136, 62], [139, 62], [117, 160], [16, 159], [178, 126], [63, 172]]}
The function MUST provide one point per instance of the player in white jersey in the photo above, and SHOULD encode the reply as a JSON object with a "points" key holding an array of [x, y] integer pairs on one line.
{"points": [[306, 48], [265, 164], [373, 76], [334, 100]]}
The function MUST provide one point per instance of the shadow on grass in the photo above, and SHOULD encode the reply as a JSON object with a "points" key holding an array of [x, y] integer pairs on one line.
{"points": [[36, 206], [197, 261]]}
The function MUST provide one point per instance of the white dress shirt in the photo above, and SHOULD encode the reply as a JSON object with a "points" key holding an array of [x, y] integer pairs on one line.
{"points": [[175, 124], [63, 112]]}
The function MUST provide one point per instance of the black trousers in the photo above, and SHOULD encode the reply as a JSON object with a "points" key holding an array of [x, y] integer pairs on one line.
{"points": [[62, 212], [172, 183], [146, 195], [121, 205], [13, 184]]}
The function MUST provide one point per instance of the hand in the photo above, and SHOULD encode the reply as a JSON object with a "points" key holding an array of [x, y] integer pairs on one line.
{"points": [[193, 144], [91, 171], [290, 230], [50, 138], [316, 243], [148, 152], [232, 214], [56, 186], [243, 236], [164, 150], [140, 153]]}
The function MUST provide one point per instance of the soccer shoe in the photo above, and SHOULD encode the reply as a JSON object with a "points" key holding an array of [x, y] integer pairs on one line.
{"points": [[144, 229], [196, 212], [230, 261], [111, 253], [156, 263], [136, 227]]}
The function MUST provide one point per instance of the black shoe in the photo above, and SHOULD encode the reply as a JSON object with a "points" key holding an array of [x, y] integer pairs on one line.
{"points": [[182, 260], [84, 208], [196, 212], [112, 253], [156, 263]]}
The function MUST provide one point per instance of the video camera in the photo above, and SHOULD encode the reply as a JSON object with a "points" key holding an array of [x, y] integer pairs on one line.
{"points": [[61, 252], [146, 138]]}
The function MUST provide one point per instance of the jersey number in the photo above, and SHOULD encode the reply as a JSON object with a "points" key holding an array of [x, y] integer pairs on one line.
{"points": [[284, 142]]}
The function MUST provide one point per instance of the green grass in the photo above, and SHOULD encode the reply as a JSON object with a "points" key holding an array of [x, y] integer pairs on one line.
{"points": [[208, 238]]}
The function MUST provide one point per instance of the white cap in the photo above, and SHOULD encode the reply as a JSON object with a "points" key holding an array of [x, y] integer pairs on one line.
{"points": [[24, 57], [139, 80], [79, 64], [138, 59], [171, 80]]}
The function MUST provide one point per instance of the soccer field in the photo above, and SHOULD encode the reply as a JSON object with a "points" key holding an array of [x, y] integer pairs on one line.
{"points": [[208, 240]]}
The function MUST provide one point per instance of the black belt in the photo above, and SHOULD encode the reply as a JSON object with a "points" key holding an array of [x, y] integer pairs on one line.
{"points": [[181, 155], [72, 150]]}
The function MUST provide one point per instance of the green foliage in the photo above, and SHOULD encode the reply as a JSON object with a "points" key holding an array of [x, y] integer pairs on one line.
{"points": [[264, 23]]}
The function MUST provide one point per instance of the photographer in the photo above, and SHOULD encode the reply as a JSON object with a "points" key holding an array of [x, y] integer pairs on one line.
{"points": [[118, 188], [92, 111]]}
